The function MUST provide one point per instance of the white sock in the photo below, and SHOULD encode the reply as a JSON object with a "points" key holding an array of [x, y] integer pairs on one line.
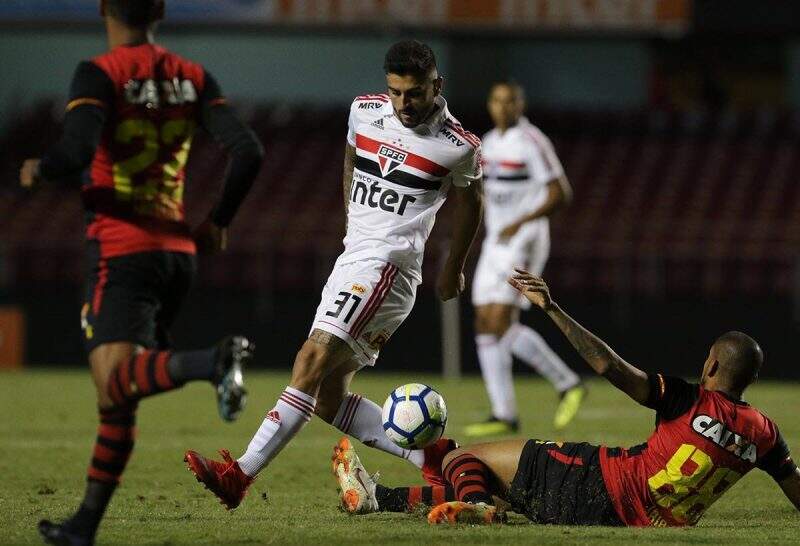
{"points": [[495, 360], [361, 418], [291, 413], [527, 345]]}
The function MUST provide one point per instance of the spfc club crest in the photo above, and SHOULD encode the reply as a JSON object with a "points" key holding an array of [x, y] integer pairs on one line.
{"points": [[390, 158]]}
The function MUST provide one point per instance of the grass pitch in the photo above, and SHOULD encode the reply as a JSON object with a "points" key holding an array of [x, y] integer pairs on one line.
{"points": [[49, 422]]}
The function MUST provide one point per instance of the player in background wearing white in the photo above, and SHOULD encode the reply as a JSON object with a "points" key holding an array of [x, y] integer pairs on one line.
{"points": [[404, 152], [524, 185]]}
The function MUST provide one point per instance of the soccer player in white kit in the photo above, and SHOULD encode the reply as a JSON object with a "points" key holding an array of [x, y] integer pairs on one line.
{"points": [[404, 152], [524, 185]]}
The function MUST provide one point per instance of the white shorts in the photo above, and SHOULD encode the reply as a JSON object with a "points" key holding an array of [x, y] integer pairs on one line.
{"points": [[363, 303], [497, 263]]}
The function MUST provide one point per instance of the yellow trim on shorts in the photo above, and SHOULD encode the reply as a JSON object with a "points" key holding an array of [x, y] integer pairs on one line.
{"points": [[86, 100]]}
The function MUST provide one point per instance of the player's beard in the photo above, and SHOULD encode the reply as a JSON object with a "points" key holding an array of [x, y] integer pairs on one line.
{"points": [[411, 114], [417, 118]]}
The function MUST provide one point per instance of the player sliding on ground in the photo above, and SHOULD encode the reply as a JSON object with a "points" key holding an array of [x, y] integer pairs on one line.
{"points": [[132, 114], [404, 152], [706, 439], [524, 184]]}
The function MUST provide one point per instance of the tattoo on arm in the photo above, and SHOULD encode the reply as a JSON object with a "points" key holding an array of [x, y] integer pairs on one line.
{"points": [[347, 176], [601, 357], [596, 353]]}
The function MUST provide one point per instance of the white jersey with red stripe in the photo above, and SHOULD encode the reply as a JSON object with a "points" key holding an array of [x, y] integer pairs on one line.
{"points": [[401, 179], [518, 164], [363, 303]]}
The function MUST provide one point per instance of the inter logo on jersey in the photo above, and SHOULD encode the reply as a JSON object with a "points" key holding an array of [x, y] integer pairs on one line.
{"points": [[389, 159]]}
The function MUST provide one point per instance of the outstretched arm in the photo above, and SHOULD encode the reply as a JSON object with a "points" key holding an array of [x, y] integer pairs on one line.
{"points": [[469, 207], [603, 360], [778, 463], [791, 487]]}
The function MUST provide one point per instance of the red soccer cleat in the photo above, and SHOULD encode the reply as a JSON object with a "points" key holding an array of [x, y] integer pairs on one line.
{"points": [[454, 512], [226, 480], [434, 455]]}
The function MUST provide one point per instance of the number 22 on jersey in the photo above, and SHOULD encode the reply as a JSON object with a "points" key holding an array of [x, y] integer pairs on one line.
{"points": [[160, 195]]}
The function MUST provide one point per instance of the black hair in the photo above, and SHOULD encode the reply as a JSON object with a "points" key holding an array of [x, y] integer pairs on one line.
{"points": [[511, 84], [410, 57], [741, 360], [135, 13]]}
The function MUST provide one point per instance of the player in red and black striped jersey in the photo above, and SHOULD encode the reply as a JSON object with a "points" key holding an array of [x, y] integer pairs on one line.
{"points": [[706, 438], [128, 129]]}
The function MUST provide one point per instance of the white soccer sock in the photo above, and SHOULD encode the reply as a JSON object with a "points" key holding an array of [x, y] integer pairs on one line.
{"points": [[495, 360], [292, 411], [527, 345], [361, 418]]}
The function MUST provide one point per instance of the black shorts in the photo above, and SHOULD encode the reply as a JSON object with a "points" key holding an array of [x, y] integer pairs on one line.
{"points": [[134, 297], [561, 483]]}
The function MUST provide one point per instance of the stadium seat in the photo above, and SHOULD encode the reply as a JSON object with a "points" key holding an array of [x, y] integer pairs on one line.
{"points": [[666, 203]]}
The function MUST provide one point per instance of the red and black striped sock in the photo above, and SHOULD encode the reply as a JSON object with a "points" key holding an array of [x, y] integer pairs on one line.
{"points": [[142, 375], [115, 438], [404, 499], [112, 449], [469, 478]]}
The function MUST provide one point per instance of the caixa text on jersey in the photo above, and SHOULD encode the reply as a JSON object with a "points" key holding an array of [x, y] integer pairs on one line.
{"points": [[174, 91]]}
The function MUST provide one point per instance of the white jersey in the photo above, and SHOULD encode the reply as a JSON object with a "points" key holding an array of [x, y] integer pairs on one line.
{"points": [[401, 179], [518, 164]]}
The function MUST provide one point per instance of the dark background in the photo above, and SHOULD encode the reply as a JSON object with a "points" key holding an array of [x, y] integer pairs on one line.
{"points": [[681, 144]]}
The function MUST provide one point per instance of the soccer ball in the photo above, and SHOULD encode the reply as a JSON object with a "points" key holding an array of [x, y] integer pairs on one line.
{"points": [[414, 416]]}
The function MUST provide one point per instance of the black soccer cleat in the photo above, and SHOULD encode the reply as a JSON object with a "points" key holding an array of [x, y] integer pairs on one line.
{"points": [[59, 534], [233, 353]]}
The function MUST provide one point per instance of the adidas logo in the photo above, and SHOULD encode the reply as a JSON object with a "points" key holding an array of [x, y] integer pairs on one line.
{"points": [[378, 123], [274, 416]]}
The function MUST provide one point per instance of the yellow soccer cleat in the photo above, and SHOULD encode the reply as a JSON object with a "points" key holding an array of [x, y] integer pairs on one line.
{"points": [[570, 403], [464, 512], [492, 427], [356, 487]]}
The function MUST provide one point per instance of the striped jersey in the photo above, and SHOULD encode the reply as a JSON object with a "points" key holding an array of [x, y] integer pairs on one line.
{"points": [[703, 443], [518, 164], [135, 193], [401, 179]]}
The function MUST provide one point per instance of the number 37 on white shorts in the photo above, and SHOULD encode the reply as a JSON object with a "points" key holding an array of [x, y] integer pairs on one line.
{"points": [[363, 303]]}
